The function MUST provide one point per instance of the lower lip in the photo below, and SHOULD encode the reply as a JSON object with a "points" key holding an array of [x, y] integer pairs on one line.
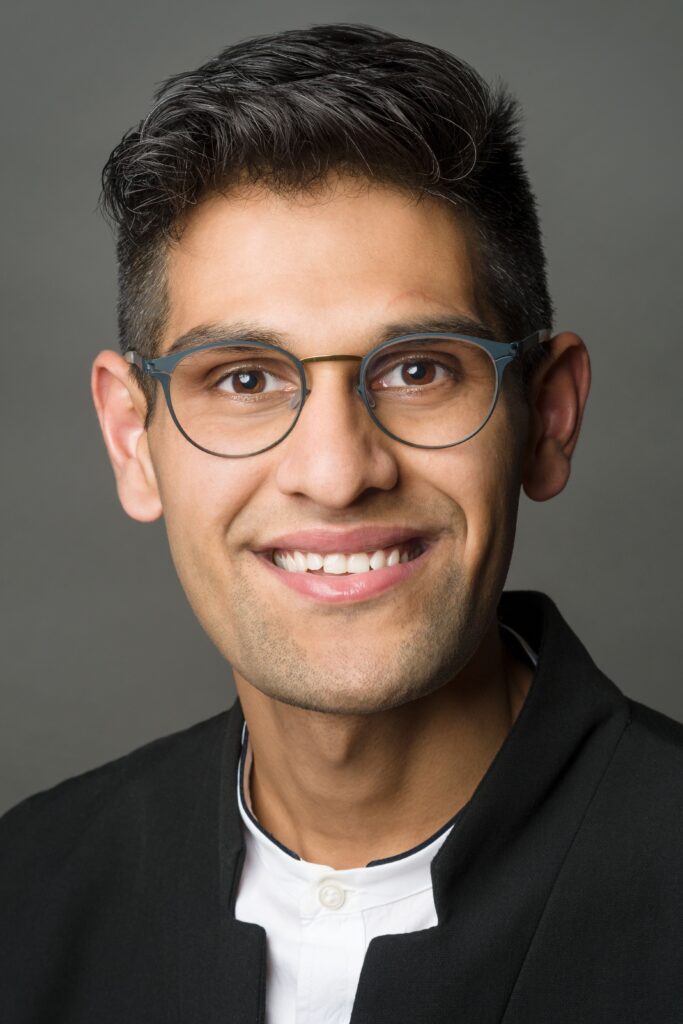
{"points": [[349, 588]]}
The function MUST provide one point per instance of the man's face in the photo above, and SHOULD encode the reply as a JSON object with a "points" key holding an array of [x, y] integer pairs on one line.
{"points": [[328, 273]]}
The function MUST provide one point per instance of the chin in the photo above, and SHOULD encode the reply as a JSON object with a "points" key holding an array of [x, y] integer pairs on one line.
{"points": [[347, 700], [346, 706]]}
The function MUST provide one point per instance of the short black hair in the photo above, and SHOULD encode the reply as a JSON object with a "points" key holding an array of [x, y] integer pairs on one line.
{"points": [[285, 110]]}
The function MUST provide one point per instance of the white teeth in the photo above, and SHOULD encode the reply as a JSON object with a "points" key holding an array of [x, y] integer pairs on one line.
{"points": [[378, 560], [335, 564], [301, 561], [394, 557], [357, 563]]}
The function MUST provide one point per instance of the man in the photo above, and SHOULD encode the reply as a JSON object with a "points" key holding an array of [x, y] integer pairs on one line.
{"points": [[337, 373]]}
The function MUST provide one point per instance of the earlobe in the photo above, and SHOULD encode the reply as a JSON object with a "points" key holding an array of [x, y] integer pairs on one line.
{"points": [[121, 408], [558, 397]]}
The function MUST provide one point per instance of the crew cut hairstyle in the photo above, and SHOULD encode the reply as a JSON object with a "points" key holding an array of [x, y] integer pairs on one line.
{"points": [[285, 110]]}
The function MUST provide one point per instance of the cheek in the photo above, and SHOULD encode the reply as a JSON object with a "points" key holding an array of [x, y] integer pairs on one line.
{"points": [[202, 497], [488, 493]]}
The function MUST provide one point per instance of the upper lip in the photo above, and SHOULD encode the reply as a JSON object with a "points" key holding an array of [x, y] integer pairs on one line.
{"points": [[361, 538]]}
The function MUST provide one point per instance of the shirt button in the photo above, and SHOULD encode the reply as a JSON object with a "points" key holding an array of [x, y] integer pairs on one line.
{"points": [[331, 895]]}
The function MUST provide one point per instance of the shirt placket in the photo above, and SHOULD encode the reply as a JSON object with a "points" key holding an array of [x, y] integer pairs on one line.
{"points": [[332, 951]]}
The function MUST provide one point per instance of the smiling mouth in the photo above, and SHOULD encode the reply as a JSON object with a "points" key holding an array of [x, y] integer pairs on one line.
{"points": [[347, 564]]}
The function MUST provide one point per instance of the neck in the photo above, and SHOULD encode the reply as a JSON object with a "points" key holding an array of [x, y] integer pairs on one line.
{"points": [[345, 790]]}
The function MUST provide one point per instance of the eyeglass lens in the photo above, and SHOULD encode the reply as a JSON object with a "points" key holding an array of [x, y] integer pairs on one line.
{"points": [[238, 400]]}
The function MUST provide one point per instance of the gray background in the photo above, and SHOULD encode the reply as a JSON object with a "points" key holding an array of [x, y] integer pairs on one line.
{"points": [[101, 652]]}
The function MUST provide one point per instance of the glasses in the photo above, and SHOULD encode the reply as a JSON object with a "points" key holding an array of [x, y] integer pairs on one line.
{"points": [[235, 399]]}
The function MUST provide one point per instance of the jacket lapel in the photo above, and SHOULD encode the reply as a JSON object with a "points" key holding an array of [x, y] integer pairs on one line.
{"points": [[219, 962]]}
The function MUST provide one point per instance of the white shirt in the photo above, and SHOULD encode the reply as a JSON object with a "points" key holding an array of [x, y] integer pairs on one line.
{"points": [[320, 921]]}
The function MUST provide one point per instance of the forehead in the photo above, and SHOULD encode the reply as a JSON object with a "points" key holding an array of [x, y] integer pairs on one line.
{"points": [[341, 260]]}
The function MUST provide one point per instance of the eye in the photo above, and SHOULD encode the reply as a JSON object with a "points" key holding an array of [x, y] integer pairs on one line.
{"points": [[413, 372], [250, 381]]}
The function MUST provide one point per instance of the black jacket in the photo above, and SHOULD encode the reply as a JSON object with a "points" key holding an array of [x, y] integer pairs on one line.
{"points": [[559, 893]]}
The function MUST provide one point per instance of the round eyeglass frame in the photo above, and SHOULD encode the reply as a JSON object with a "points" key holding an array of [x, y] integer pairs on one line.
{"points": [[502, 354]]}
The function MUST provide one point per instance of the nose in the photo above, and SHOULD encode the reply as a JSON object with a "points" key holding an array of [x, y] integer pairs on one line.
{"points": [[335, 452]]}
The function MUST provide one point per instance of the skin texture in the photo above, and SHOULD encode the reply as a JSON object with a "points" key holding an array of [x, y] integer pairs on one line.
{"points": [[372, 723]]}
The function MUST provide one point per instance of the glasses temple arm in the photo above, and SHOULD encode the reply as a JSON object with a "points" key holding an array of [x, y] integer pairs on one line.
{"points": [[133, 357], [537, 338]]}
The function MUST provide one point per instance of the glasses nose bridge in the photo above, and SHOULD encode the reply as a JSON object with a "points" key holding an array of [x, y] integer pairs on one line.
{"points": [[332, 359]]}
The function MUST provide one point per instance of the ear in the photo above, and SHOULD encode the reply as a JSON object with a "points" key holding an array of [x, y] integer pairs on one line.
{"points": [[558, 395], [121, 409]]}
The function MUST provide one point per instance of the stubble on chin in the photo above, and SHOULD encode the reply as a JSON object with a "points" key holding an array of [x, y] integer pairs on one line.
{"points": [[329, 663]]}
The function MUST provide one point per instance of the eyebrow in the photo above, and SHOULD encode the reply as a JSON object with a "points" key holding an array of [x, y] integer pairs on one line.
{"points": [[248, 330]]}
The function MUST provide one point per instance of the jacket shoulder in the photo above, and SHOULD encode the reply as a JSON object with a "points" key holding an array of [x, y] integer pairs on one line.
{"points": [[638, 802], [48, 825], [657, 729], [653, 746]]}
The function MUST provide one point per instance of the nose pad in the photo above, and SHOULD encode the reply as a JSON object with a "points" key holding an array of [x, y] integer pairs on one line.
{"points": [[371, 400], [298, 399]]}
